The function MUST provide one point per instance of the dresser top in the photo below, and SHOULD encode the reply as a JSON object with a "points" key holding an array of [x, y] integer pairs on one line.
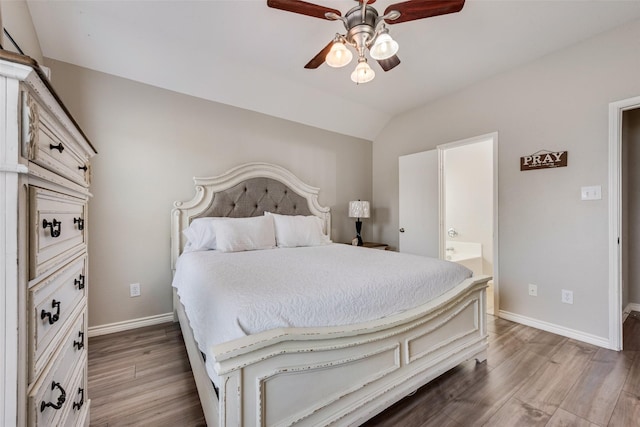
{"points": [[30, 62]]}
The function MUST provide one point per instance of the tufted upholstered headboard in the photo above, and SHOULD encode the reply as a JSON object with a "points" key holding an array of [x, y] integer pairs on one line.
{"points": [[256, 196], [244, 191]]}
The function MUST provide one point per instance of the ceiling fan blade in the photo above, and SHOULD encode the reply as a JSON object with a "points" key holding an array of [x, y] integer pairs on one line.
{"points": [[318, 60], [419, 9], [389, 63], [302, 7]]}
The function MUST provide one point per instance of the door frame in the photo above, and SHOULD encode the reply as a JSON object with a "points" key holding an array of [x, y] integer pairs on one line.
{"points": [[616, 109], [442, 205]]}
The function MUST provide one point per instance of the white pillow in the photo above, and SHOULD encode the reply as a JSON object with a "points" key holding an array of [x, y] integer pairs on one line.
{"points": [[201, 234], [245, 234], [297, 230]]}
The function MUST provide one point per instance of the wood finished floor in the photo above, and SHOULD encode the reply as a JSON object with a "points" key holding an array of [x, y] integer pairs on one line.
{"points": [[530, 378]]}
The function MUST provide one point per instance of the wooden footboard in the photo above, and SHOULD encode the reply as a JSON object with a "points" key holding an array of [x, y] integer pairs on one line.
{"points": [[340, 376]]}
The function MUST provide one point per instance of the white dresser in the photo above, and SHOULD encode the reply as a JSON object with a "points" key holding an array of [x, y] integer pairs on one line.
{"points": [[45, 174]]}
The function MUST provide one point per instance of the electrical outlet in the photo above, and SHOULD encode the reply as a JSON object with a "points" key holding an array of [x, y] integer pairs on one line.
{"points": [[134, 290], [533, 290], [567, 296]]}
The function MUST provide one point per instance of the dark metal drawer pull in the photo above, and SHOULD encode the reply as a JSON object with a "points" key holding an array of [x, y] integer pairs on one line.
{"points": [[58, 147], [80, 223], [79, 282], [83, 168], [54, 225], [78, 405], [80, 344], [52, 318], [61, 398]]}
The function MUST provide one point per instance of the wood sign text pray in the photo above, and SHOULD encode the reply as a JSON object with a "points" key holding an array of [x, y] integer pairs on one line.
{"points": [[544, 160]]}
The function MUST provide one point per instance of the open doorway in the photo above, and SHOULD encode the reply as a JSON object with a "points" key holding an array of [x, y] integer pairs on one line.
{"points": [[630, 228], [468, 206], [630, 211], [444, 189], [624, 207]]}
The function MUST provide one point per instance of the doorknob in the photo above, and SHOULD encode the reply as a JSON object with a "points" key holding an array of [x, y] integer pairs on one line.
{"points": [[402, 230]]}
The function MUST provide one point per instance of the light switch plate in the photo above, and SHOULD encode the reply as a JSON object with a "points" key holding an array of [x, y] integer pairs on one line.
{"points": [[591, 193]]}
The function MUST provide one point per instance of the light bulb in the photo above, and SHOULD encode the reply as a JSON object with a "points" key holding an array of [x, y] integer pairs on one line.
{"points": [[363, 73], [338, 56], [384, 47]]}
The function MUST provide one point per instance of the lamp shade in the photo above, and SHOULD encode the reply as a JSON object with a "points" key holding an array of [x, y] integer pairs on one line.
{"points": [[359, 209], [384, 47], [363, 73], [338, 56]]}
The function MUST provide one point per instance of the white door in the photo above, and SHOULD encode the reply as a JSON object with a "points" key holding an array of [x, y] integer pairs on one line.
{"points": [[419, 207]]}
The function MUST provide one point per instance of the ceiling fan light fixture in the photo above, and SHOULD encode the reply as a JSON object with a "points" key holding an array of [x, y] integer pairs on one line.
{"points": [[366, 30], [339, 55], [384, 47], [363, 72]]}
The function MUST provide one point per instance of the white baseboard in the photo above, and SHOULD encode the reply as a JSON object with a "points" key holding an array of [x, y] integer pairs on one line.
{"points": [[628, 309], [126, 325], [555, 329]]}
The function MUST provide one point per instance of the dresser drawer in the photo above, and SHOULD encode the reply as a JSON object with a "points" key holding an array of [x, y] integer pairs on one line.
{"points": [[57, 229], [51, 148], [53, 304], [78, 410], [57, 389]]}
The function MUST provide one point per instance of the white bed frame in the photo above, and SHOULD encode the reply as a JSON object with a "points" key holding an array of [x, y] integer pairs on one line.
{"points": [[329, 375]]}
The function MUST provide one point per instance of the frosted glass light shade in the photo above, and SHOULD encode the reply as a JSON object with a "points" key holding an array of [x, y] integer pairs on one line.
{"points": [[359, 209], [384, 47], [338, 56], [362, 74]]}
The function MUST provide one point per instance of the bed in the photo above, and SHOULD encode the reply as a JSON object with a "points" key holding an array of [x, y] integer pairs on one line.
{"points": [[287, 370]]}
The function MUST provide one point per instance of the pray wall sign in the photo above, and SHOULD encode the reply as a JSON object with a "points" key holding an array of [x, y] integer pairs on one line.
{"points": [[544, 160]]}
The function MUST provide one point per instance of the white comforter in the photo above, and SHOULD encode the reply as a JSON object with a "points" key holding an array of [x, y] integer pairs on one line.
{"points": [[230, 295]]}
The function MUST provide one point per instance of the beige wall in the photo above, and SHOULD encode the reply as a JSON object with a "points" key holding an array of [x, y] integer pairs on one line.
{"points": [[150, 143], [547, 236], [17, 20]]}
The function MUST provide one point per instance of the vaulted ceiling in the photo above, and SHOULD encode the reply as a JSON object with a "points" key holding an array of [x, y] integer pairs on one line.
{"points": [[245, 54]]}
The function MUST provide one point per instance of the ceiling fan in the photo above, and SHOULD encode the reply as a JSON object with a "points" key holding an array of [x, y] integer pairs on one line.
{"points": [[366, 30]]}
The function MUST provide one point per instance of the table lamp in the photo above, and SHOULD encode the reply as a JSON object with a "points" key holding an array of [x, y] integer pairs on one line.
{"points": [[359, 209]]}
